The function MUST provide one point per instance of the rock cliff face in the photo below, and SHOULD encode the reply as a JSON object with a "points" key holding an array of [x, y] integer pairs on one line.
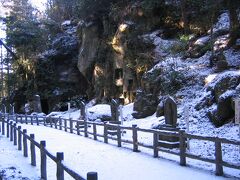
{"points": [[57, 70], [88, 32], [95, 58], [107, 53]]}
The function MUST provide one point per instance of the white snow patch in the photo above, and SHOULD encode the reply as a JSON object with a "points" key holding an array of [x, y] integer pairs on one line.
{"points": [[223, 23], [201, 41], [66, 23], [162, 45]]}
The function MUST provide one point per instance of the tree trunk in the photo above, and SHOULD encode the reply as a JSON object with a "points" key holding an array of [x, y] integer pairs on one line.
{"points": [[184, 20], [234, 24]]}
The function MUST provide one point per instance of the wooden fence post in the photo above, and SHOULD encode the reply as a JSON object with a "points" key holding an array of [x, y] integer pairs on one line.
{"points": [[16, 118], [50, 119], [25, 150], [3, 126], [43, 160], [15, 134], [85, 127], [21, 120], [182, 147], [11, 131], [31, 120], [71, 125], [218, 157], [26, 119], [78, 128], [33, 153], [105, 134], [119, 136], [94, 131], [60, 123], [92, 176], [19, 138], [135, 138], [7, 128], [44, 121], [55, 122], [60, 171], [65, 124], [155, 145], [37, 120]]}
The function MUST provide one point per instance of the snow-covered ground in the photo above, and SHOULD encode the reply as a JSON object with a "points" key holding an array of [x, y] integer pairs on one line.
{"points": [[12, 163], [84, 155]]}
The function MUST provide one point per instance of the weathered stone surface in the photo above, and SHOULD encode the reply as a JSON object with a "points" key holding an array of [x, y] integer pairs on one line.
{"points": [[114, 110], [221, 66], [37, 104], [198, 47], [224, 88], [144, 105], [160, 107], [168, 141], [88, 32], [224, 110], [82, 110], [223, 82], [224, 107], [170, 112], [66, 81]]}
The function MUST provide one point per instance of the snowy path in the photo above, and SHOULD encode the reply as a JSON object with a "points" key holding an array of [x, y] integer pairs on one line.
{"points": [[12, 163], [112, 163]]}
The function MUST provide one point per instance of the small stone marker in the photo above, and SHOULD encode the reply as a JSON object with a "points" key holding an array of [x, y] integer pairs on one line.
{"points": [[37, 104], [114, 110], [69, 106], [82, 110], [170, 112]]}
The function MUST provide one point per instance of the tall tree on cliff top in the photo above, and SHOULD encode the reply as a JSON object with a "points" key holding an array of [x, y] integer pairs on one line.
{"points": [[25, 34], [60, 10], [23, 29]]}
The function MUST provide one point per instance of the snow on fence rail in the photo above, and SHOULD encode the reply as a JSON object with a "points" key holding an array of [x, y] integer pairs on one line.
{"points": [[114, 132], [20, 138]]}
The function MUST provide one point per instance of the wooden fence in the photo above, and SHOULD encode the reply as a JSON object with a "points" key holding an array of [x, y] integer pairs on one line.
{"points": [[84, 126], [20, 139]]}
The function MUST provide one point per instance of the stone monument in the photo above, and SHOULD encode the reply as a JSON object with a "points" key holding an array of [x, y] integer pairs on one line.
{"points": [[114, 110], [82, 110], [37, 104], [170, 114], [115, 117]]}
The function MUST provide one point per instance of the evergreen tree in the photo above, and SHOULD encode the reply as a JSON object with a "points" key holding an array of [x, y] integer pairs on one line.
{"points": [[23, 29]]}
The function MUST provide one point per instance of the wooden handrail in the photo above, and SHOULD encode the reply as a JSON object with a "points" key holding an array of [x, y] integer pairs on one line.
{"points": [[21, 135], [74, 127]]}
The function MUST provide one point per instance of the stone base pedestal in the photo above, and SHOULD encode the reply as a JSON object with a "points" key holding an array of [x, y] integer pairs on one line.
{"points": [[168, 141], [113, 130]]}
